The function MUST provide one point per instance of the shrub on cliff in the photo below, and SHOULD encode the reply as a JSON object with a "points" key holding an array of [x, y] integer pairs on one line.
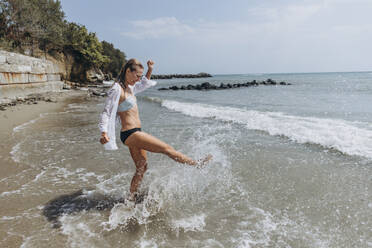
{"points": [[83, 45], [32, 24], [117, 59]]}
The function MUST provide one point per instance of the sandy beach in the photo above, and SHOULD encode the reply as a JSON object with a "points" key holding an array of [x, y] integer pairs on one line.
{"points": [[20, 114], [16, 116]]}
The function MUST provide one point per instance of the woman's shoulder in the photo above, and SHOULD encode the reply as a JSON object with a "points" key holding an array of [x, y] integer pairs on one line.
{"points": [[114, 89], [115, 86]]}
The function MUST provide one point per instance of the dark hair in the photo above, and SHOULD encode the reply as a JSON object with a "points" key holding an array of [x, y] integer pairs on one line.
{"points": [[132, 64]]}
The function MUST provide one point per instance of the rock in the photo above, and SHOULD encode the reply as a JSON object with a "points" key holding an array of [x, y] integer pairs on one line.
{"points": [[108, 76], [5, 101], [223, 86], [36, 96], [163, 89], [94, 76], [97, 93], [270, 81], [206, 85], [190, 87], [173, 88], [66, 87]]}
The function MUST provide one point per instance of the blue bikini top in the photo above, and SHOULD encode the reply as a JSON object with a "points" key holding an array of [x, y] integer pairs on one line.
{"points": [[127, 104]]}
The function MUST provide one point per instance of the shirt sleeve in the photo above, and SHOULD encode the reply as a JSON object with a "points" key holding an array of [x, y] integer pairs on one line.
{"points": [[107, 110], [143, 84]]}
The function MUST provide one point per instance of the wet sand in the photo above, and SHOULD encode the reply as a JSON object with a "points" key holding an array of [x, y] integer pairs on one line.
{"points": [[13, 117], [20, 114]]}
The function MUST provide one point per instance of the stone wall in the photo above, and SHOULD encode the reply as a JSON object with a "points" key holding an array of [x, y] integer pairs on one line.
{"points": [[21, 75]]}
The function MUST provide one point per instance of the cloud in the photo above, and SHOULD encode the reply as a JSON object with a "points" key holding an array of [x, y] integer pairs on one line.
{"points": [[316, 35], [290, 12], [259, 20], [316, 18], [158, 28]]}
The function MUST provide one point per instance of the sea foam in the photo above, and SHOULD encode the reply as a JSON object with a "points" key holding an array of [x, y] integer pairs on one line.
{"points": [[352, 138]]}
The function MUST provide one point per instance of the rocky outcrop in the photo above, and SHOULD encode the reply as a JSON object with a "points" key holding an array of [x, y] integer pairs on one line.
{"points": [[209, 86], [21, 75], [95, 76], [170, 76]]}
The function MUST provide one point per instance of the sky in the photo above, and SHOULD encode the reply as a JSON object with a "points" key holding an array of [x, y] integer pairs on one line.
{"points": [[236, 36]]}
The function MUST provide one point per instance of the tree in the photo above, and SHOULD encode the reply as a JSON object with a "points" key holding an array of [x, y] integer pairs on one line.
{"points": [[117, 59], [50, 25], [33, 23], [85, 46]]}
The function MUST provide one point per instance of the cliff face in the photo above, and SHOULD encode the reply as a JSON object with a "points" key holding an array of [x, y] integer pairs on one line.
{"points": [[21, 75]]}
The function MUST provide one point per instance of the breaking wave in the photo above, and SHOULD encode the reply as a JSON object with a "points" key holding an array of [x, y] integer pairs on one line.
{"points": [[352, 138]]}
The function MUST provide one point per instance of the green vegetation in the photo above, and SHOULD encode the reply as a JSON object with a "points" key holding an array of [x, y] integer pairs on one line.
{"points": [[83, 45], [31, 26], [116, 59]]}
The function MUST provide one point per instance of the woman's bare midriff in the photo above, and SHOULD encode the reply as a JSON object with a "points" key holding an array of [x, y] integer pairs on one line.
{"points": [[130, 119]]}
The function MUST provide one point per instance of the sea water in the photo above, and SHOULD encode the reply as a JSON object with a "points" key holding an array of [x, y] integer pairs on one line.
{"points": [[291, 167]]}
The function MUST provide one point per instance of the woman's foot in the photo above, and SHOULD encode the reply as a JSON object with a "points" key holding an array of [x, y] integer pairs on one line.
{"points": [[202, 162], [137, 197]]}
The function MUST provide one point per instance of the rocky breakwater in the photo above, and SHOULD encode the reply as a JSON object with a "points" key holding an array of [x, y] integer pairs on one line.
{"points": [[21, 75], [170, 76], [222, 86]]}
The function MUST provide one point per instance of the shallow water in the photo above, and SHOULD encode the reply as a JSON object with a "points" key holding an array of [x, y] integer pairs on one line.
{"points": [[292, 168]]}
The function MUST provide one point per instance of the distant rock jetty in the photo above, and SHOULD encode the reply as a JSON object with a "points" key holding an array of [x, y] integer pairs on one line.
{"points": [[170, 76], [222, 86]]}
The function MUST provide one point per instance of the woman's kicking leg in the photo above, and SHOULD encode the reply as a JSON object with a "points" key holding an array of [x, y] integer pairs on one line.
{"points": [[149, 143]]}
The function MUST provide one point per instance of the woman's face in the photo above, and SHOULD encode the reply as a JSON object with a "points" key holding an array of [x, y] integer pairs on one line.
{"points": [[134, 76]]}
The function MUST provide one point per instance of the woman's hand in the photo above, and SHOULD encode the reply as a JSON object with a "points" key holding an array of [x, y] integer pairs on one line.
{"points": [[104, 138], [150, 64]]}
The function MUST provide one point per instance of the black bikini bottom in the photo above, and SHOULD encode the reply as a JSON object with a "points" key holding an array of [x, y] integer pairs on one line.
{"points": [[125, 134]]}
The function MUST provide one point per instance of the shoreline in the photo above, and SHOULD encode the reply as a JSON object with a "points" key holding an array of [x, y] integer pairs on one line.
{"points": [[19, 114]]}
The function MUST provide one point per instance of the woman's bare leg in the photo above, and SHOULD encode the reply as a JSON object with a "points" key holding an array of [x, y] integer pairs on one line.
{"points": [[140, 160], [149, 143]]}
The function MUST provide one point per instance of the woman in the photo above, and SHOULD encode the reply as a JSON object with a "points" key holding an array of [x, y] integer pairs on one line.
{"points": [[121, 104]]}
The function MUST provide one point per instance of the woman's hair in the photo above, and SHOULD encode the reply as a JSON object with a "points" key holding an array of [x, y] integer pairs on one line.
{"points": [[132, 64]]}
